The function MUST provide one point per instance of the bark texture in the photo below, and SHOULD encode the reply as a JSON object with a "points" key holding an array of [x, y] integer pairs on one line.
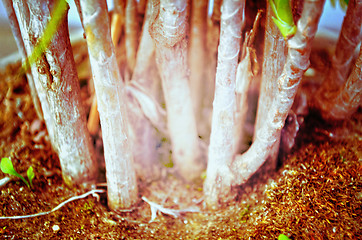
{"points": [[131, 30], [197, 60], [347, 99], [275, 53], [57, 84], [168, 30], [110, 92], [243, 166], [221, 148], [212, 41], [349, 37], [297, 62]]}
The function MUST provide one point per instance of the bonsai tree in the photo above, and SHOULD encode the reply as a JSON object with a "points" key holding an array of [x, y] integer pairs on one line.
{"points": [[223, 172], [129, 107]]}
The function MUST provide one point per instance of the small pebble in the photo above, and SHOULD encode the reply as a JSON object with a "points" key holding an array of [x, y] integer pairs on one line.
{"points": [[56, 228]]}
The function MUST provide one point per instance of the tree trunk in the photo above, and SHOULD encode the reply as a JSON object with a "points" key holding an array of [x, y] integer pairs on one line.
{"points": [[143, 72], [57, 84], [346, 101], [131, 30], [349, 38], [243, 166], [197, 60], [212, 42], [275, 52], [297, 62], [144, 135], [221, 148], [168, 30], [110, 92]]}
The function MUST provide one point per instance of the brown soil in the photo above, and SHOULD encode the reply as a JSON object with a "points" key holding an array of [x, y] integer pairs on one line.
{"points": [[316, 193]]}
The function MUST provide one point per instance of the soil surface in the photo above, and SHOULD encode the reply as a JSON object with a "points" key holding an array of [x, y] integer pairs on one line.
{"points": [[315, 193]]}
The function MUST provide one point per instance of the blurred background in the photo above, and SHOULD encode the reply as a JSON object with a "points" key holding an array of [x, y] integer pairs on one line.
{"points": [[330, 24]]}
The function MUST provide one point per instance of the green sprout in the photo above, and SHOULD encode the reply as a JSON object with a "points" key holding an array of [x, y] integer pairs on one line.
{"points": [[7, 167], [283, 17], [283, 237]]}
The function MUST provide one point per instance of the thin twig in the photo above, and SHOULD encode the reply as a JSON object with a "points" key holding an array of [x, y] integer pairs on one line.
{"points": [[57, 207]]}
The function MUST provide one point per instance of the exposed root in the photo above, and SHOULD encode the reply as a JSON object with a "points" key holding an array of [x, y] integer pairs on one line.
{"points": [[155, 208], [93, 192]]}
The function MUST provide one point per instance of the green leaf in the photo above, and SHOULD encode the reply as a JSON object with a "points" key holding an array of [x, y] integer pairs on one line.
{"points": [[7, 167], [283, 237], [30, 173], [283, 17]]}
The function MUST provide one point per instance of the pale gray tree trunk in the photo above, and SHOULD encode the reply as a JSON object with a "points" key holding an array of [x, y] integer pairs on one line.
{"points": [[297, 62], [275, 52], [110, 92], [143, 72], [221, 148], [57, 84], [212, 42], [239, 170], [168, 30]]}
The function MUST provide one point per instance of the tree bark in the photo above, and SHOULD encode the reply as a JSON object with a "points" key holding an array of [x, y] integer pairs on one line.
{"points": [[243, 166], [212, 42], [197, 60], [221, 148], [110, 92], [349, 38], [168, 30], [297, 62], [131, 30], [275, 52], [57, 84], [347, 99]]}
